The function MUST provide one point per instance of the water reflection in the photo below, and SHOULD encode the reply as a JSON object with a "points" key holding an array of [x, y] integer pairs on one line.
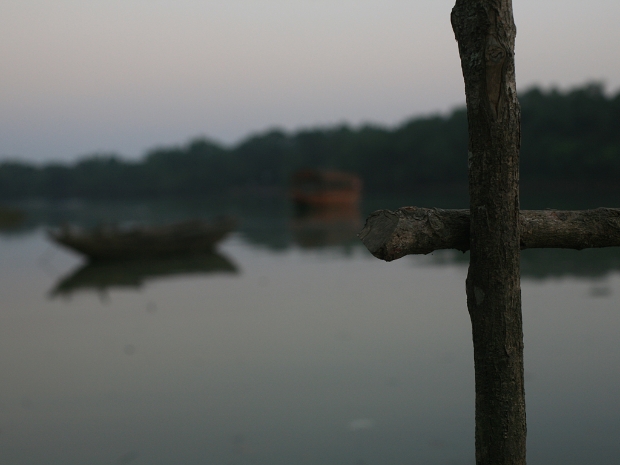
{"points": [[560, 263], [328, 226], [102, 276], [10, 218], [273, 224], [539, 264], [305, 358]]}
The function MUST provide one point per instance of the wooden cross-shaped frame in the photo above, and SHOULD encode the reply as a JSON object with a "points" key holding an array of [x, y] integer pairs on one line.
{"points": [[493, 229]]}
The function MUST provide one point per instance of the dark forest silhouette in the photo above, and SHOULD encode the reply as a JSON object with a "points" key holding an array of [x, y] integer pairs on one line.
{"points": [[568, 138]]}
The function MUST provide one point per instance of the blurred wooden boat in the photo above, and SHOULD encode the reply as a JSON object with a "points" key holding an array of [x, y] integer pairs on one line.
{"points": [[325, 189], [116, 243]]}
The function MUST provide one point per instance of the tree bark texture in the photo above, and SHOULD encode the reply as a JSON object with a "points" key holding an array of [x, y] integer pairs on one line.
{"points": [[391, 235], [485, 32]]}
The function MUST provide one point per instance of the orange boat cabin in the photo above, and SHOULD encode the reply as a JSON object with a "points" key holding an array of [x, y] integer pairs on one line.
{"points": [[325, 189]]}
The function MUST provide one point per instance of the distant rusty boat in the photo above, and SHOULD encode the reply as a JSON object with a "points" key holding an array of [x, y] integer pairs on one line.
{"points": [[115, 243], [325, 189]]}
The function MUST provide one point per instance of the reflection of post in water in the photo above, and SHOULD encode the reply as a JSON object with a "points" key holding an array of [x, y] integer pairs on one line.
{"points": [[326, 207], [103, 275]]}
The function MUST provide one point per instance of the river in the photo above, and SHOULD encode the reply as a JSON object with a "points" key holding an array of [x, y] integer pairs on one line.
{"points": [[293, 346]]}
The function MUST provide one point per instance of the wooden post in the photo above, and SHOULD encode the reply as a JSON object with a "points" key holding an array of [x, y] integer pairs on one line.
{"points": [[485, 33], [494, 229]]}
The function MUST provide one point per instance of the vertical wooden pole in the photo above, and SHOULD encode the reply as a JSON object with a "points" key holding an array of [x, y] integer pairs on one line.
{"points": [[485, 32]]}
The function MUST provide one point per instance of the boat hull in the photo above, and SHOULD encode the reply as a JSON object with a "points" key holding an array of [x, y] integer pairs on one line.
{"points": [[145, 242]]}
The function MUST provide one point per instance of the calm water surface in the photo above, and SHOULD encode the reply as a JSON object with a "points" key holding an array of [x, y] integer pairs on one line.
{"points": [[292, 347]]}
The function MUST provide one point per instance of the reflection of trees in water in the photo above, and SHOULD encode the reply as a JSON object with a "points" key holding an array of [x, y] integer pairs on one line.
{"points": [[10, 218], [92, 213], [310, 230], [101, 276], [270, 231], [271, 223], [327, 226], [550, 263]]}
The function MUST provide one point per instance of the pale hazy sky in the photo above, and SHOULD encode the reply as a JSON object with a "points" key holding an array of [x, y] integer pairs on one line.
{"points": [[85, 76]]}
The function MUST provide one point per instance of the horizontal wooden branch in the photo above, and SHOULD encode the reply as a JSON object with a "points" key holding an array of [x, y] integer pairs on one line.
{"points": [[390, 235]]}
